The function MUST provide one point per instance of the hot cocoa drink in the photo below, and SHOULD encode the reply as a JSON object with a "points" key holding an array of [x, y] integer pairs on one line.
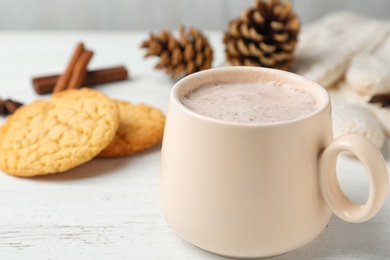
{"points": [[234, 188], [251, 102]]}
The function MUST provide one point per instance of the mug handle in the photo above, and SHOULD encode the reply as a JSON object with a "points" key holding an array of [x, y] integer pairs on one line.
{"points": [[375, 167]]}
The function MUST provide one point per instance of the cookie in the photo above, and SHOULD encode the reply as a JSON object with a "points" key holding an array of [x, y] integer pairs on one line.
{"points": [[53, 136], [383, 116], [140, 127], [355, 119]]}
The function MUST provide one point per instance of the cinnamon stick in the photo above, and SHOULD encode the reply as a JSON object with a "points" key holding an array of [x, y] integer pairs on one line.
{"points": [[8, 106], [64, 79], [80, 70], [2, 108], [45, 84]]}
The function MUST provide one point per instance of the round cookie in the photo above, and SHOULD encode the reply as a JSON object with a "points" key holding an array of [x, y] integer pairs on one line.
{"points": [[355, 119], [383, 115], [56, 135], [140, 127]]}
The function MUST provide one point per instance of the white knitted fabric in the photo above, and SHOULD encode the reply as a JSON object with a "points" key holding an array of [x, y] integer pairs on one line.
{"points": [[325, 47], [368, 75], [349, 54], [368, 72]]}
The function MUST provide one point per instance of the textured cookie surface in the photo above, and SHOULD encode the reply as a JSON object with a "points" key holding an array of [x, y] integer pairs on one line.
{"points": [[55, 135], [140, 127], [383, 115], [355, 119]]}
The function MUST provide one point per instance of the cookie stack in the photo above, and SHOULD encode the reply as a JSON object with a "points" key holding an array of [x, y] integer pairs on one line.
{"points": [[73, 127], [348, 54]]}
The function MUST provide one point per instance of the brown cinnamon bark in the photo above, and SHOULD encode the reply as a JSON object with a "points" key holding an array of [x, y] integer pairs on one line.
{"points": [[11, 106], [2, 108], [63, 81], [45, 84], [80, 70], [8, 106]]}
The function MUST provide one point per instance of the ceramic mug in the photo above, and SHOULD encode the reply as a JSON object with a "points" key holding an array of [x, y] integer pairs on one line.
{"points": [[257, 190]]}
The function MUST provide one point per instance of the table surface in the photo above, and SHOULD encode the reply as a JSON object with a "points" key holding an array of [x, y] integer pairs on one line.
{"points": [[108, 208]]}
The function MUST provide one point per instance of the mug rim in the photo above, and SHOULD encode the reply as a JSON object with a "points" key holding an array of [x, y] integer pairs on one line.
{"points": [[320, 93]]}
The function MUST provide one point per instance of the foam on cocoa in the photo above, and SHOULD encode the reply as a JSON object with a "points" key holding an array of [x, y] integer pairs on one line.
{"points": [[251, 102]]}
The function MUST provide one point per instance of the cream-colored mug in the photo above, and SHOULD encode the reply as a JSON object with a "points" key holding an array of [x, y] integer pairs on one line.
{"points": [[258, 190]]}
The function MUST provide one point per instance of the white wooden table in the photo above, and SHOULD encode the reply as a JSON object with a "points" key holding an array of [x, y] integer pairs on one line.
{"points": [[108, 208]]}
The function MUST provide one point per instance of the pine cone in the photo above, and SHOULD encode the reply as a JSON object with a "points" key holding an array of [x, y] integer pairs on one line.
{"points": [[180, 57], [263, 36]]}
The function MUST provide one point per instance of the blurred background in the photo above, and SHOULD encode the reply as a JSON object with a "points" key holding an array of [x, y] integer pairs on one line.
{"points": [[156, 14]]}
